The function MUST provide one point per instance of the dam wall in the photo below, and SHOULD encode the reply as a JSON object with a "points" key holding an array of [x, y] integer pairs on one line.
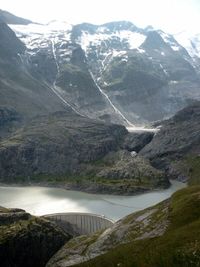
{"points": [[80, 223]]}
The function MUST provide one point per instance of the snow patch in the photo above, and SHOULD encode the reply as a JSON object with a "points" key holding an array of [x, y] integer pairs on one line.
{"points": [[173, 82], [37, 36], [140, 50], [134, 39], [164, 70], [190, 43], [169, 40]]}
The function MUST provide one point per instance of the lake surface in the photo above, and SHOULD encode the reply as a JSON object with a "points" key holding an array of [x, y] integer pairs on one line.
{"points": [[44, 200]]}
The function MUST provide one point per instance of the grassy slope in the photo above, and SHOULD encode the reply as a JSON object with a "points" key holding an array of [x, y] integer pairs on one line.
{"points": [[179, 246], [193, 162]]}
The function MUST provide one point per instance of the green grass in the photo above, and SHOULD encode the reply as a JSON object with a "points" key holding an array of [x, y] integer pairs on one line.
{"points": [[178, 247], [8, 231], [90, 179], [194, 169]]}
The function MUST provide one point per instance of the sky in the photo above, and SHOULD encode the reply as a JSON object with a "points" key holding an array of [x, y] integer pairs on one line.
{"points": [[172, 16]]}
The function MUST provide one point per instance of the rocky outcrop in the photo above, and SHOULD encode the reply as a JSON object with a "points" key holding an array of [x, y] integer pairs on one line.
{"points": [[77, 152], [57, 144], [26, 240], [175, 149], [10, 120], [137, 140], [177, 137], [10, 44], [7, 116], [138, 226]]}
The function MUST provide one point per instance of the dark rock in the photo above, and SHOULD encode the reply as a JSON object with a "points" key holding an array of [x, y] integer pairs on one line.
{"points": [[27, 241], [57, 144], [10, 45], [8, 115], [9, 18], [137, 140], [79, 153], [13, 217], [178, 137]]}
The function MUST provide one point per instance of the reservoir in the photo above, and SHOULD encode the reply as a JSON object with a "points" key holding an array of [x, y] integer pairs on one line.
{"points": [[47, 200]]}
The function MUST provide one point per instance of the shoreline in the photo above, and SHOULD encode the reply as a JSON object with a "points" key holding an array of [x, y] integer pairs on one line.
{"points": [[89, 190]]}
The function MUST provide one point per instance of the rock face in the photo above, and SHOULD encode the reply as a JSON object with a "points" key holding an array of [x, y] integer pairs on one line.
{"points": [[19, 90], [137, 140], [77, 152], [177, 138], [175, 148], [113, 72], [156, 236], [26, 240], [10, 44], [57, 144]]}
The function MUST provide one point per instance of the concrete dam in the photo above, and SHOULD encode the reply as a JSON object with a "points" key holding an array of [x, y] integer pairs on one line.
{"points": [[80, 223]]}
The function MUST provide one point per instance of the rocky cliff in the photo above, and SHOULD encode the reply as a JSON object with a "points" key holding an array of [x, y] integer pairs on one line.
{"points": [[176, 147], [78, 153], [26, 240]]}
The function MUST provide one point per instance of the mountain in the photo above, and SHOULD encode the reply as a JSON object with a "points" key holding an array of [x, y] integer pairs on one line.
{"points": [[114, 72], [57, 78], [62, 88], [77, 153], [19, 89], [36, 122], [176, 147], [9, 18]]}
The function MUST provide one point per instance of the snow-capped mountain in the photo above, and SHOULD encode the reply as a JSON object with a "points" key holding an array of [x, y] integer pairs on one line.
{"points": [[115, 71], [191, 44]]}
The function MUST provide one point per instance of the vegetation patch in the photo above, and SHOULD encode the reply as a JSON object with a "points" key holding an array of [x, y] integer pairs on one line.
{"points": [[179, 246]]}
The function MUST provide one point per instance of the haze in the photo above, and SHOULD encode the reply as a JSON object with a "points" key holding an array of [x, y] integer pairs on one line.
{"points": [[170, 15]]}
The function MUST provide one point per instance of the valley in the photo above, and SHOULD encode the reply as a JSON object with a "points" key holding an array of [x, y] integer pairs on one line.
{"points": [[99, 119]]}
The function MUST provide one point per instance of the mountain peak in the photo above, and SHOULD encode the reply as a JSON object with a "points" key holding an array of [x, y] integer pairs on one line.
{"points": [[120, 25]]}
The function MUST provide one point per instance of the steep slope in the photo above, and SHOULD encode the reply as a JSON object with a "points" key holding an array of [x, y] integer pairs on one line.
{"points": [[177, 137], [77, 153], [176, 146], [26, 240], [19, 89], [146, 74], [191, 42], [114, 72], [9, 18], [61, 63], [164, 235]]}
